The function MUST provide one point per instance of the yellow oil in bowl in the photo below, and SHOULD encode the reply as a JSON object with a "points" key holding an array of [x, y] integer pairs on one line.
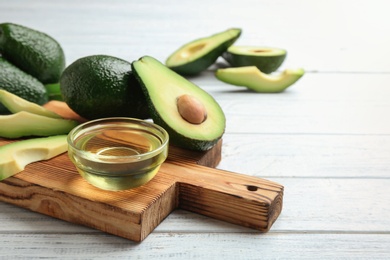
{"points": [[118, 153]]}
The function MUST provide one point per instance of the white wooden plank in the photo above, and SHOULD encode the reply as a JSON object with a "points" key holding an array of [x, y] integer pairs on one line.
{"points": [[316, 156], [197, 246], [310, 204], [318, 104], [320, 36]]}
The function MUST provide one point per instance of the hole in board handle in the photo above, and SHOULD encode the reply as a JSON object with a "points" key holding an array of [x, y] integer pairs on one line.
{"points": [[252, 188]]}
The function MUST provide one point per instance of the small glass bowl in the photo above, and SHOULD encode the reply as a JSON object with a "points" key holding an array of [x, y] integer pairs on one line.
{"points": [[118, 153]]}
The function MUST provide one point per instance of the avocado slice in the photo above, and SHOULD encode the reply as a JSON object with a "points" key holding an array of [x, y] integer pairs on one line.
{"points": [[15, 156], [252, 78], [191, 116], [16, 104], [267, 59], [196, 56], [27, 124]]}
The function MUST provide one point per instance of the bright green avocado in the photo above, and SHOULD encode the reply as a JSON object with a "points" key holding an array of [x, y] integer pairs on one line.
{"points": [[34, 52], [24, 123], [54, 91], [252, 78], [196, 56], [15, 156], [176, 103], [16, 81], [16, 104], [266, 59]]}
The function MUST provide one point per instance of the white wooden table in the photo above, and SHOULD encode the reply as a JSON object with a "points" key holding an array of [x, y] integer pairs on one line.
{"points": [[326, 139]]}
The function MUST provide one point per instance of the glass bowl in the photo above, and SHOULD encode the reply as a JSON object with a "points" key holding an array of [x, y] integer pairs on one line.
{"points": [[118, 153]]}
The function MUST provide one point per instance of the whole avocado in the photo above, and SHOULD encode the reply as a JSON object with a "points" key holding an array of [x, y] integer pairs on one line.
{"points": [[99, 86], [32, 51], [16, 81]]}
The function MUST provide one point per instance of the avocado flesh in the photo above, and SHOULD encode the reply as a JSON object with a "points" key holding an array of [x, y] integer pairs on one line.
{"points": [[17, 104], [16, 81], [196, 56], [252, 78], [15, 156], [27, 124], [162, 87], [266, 59], [34, 52]]}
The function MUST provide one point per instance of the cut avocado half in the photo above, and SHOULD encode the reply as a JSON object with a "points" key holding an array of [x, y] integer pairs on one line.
{"points": [[191, 116], [16, 104], [196, 56], [27, 124], [267, 59], [252, 78], [15, 156]]}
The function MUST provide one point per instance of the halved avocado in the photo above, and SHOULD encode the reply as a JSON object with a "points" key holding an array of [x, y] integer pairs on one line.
{"points": [[191, 116], [252, 78], [267, 59], [15, 156], [27, 124], [196, 56], [16, 104]]}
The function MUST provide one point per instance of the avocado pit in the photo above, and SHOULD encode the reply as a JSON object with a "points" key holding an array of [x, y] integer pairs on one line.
{"points": [[191, 109]]}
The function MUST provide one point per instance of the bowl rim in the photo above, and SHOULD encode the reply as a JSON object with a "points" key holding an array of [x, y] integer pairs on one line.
{"points": [[94, 124]]}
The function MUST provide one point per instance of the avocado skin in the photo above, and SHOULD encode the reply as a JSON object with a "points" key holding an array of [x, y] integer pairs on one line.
{"points": [[101, 79], [197, 66], [16, 81], [32, 51], [175, 138], [264, 63]]}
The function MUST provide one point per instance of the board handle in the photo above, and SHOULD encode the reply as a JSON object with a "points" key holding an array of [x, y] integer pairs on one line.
{"points": [[235, 198]]}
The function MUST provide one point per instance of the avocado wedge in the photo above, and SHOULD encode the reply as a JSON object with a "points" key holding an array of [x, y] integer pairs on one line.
{"points": [[24, 123], [191, 116], [15, 156], [252, 78], [196, 56], [267, 59], [16, 104]]}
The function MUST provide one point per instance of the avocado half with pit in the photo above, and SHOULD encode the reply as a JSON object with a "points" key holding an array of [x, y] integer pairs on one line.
{"points": [[252, 78], [196, 56], [191, 116], [267, 59]]}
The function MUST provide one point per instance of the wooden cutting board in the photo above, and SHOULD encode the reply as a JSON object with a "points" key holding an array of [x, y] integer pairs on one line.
{"points": [[187, 180]]}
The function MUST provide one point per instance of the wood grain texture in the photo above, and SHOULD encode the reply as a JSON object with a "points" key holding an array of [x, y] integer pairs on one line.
{"points": [[54, 188]]}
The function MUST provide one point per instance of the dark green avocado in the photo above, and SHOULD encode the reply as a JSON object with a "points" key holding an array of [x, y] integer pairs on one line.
{"points": [[17, 82], [191, 116], [196, 56], [99, 86], [32, 51]]}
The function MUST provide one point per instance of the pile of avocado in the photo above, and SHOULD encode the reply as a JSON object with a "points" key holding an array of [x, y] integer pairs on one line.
{"points": [[30, 62], [99, 86], [32, 72]]}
